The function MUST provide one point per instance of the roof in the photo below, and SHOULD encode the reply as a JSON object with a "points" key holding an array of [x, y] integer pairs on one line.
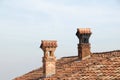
{"points": [[100, 66]]}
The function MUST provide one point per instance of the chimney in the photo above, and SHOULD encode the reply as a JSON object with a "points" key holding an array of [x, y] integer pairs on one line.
{"points": [[49, 59], [83, 35]]}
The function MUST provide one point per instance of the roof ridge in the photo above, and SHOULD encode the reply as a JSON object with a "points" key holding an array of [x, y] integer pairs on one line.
{"points": [[115, 53]]}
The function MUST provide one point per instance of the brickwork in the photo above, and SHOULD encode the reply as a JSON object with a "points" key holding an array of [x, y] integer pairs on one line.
{"points": [[49, 59], [84, 51], [83, 35]]}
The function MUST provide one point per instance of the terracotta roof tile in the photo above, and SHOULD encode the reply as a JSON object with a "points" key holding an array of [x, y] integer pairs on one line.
{"points": [[100, 66]]}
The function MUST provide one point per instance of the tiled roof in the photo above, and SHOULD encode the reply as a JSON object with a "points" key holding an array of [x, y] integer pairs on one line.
{"points": [[100, 66]]}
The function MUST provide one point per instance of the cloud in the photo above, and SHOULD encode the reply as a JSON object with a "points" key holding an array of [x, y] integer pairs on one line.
{"points": [[48, 7], [98, 13]]}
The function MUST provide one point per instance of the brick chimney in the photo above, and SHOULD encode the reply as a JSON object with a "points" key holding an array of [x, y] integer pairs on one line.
{"points": [[83, 35], [49, 59]]}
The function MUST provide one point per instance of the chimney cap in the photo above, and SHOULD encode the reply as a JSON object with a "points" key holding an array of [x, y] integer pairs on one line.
{"points": [[84, 30], [48, 43]]}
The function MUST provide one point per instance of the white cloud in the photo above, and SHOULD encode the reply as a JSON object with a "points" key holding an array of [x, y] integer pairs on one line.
{"points": [[93, 13], [48, 7], [59, 12]]}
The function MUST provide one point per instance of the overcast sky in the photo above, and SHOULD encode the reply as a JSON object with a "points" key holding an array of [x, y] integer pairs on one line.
{"points": [[24, 23]]}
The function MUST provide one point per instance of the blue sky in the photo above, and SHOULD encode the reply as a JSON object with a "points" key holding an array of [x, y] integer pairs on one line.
{"points": [[24, 23]]}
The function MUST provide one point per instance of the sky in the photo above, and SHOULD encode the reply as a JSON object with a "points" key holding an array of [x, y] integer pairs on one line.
{"points": [[24, 23]]}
